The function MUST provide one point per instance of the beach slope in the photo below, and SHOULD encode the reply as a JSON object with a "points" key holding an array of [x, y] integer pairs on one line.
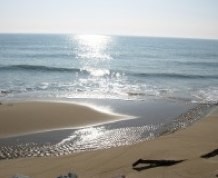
{"points": [[187, 144]]}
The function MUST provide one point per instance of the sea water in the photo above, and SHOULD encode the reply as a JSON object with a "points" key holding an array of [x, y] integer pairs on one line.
{"points": [[167, 80], [65, 66]]}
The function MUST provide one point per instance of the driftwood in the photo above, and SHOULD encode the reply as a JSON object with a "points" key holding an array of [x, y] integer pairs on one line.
{"points": [[141, 164], [210, 154]]}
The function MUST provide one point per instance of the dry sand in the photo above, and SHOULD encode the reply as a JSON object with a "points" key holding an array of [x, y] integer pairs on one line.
{"points": [[26, 117], [188, 144]]}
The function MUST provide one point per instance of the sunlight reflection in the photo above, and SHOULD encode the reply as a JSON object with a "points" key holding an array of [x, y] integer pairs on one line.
{"points": [[101, 137], [84, 135], [93, 46], [92, 133]]}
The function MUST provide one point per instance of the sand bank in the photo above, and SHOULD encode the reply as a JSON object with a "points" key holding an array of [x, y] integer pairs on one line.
{"points": [[187, 144], [28, 117]]}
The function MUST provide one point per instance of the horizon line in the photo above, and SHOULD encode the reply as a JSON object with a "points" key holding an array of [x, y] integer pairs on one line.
{"points": [[121, 35]]}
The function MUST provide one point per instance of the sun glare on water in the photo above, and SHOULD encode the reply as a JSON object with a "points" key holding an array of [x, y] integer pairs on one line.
{"points": [[93, 46]]}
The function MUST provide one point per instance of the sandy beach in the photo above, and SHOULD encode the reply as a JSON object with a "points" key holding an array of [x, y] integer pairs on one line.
{"points": [[187, 144], [29, 117]]}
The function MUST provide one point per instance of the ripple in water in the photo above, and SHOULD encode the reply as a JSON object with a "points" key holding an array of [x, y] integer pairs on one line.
{"points": [[85, 139], [99, 137]]}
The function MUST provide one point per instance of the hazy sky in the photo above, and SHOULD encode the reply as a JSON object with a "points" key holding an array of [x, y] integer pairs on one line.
{"points": [[180, 18]]}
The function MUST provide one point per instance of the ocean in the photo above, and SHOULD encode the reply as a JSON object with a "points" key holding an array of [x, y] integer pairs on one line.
{"points": [[65, 66], [164, 84]]}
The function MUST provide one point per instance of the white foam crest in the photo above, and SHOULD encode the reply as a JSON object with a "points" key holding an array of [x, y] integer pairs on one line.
{"points": [[207, 95], [113, 88], [43, 85], [97, 72]]}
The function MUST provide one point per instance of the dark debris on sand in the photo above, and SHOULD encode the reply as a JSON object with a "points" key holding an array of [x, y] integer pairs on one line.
{"points": [[210, 154], [69, 175], [141, 164]]}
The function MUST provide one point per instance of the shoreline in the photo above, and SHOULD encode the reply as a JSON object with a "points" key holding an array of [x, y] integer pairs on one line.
{"points": [[81, 113], [105, 126], [187, 144]]}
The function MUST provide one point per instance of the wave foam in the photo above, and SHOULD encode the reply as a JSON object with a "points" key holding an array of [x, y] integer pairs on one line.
{"points": [[97, 72]]}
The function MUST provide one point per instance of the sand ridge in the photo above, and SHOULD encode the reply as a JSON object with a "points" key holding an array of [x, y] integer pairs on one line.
{"points": [[28, 117]]}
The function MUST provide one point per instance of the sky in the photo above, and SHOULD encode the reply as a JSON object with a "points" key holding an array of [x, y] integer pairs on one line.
{"points": [[167, 18]]}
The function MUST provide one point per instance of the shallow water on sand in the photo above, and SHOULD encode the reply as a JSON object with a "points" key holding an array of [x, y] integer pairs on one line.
{"points": [[153, 118]]}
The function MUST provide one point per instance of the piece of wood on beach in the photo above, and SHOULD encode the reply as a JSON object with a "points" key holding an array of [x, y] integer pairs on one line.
{"points": [[141, 164], [210, 154]]}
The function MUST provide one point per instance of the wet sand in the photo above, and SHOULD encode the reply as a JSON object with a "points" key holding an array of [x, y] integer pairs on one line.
{"points": [[30, 117], [187, 144]]}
